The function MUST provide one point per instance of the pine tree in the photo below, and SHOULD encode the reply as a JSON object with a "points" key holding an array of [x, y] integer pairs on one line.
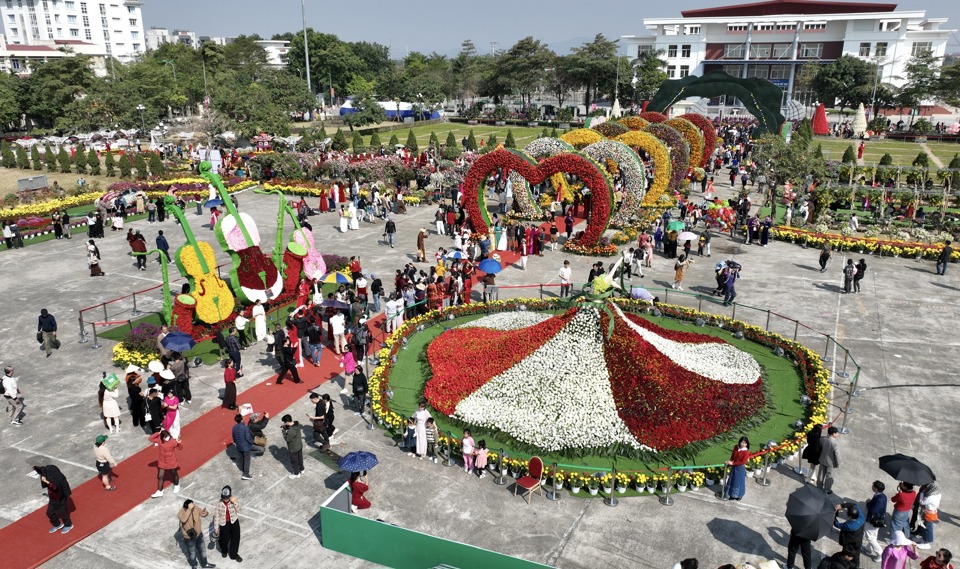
{"points": [[357, 143], [434, 141], [394, 141], [510, 142], [375, 143], [94, 162], [156, 165], [110, 164], [35, 158], [886, 160], [544, 134], [63, 157], [818, 153], [849, 155], [471, 141], [922, 160], [339, 142], [141, 165], [323, 134], [80, 160], [23, 160], [125, 166], [451, 141], [553, 134], [7, 158], [412, 142], [491, 141], [49, 158]]}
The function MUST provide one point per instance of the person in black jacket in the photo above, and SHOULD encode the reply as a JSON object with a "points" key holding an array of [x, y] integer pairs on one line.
{"points": [[153, 407], [58, 491], [289, 362], [360, 388], [257, 423], [47, 326], [812, 452]]}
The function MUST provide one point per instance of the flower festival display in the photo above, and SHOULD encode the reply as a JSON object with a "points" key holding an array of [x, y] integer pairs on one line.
{"points": [[662, 166], [693, 137], [587, 170], [709, 133], [679, 152], [631, 169], [539, 149], [580, 137], [653, 116], [633, 123], [610, 129]]}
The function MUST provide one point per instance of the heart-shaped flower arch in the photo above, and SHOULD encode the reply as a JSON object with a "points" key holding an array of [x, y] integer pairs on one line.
{"points": [[586, 169]]}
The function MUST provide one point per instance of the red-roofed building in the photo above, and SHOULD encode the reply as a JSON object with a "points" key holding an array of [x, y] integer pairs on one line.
{"points": [[776, 38], [20, 59]]}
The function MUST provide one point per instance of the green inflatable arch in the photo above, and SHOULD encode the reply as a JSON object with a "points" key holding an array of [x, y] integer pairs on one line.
{"points": [[760, 97]]}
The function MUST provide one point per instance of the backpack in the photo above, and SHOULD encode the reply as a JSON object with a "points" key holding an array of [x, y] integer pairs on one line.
{"points": [[849, 271], [362, 336]]}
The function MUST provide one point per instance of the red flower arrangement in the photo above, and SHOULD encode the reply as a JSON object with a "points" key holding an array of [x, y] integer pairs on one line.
{"points": [[653, 116], [586, 169], [291, 275], [709, 135], [182, 314]]}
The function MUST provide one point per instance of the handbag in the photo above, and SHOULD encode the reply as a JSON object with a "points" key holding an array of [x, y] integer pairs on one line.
{"points": [[55, 344], [931, 516], [878, 522], [39, 337], [260, 441]]}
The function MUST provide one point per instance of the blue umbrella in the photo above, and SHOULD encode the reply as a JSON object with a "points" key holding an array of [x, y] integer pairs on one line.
{"points": [[178, 342], [358, 461], [336, 277], [456, 255], [216, 202], [489, 266], [331, 303]]}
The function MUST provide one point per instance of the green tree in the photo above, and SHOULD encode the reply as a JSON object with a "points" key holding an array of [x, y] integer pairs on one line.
{"points": [[63, 157], [412, 142], [554, 134], [56, 84], [156, 165], [886, 159], [323, 133], [23, 159], [561, 78], [594, 64], [544, 133], [35, 158], [922, 160], [80, 160], [49, 158], [803, 133], [818, 152], [949, 86], [472, 141], [110, 164], [434, 141], [370, 112], [510, 142], [125, 167], [394, 141], [849, 155], [9, 104], [648, 69], [923, 81], [466, 68], [93, 161], [848, 81], [451, 141], [141, 165], [523, 67], [357, 143], [339, 142], [491, 141], [375, 141], [7, 158]]}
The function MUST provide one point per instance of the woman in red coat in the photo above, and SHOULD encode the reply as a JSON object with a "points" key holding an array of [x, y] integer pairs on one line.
{"points": [[737, 481], [357, 489], [166, 461], [323, 200]]}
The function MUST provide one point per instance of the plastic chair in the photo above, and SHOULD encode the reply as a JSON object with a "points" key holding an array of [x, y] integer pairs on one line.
{"points": [[531, 482]]}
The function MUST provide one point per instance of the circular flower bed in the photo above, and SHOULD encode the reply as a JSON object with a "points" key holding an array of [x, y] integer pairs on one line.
{"points": [[653, 116], [633, 123], [662, 167], [610, 129]]}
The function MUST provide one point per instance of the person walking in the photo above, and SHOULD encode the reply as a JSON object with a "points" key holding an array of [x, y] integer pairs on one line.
{"points": [[679, 269], [227, 522], [390, 231], [566, 279], [896, 553], [730, 292], [104, 462], [944, 258], [294, 440], [289, 362], [876, 519], [12, 395], [191, 530], [47, 327], [861, 272], [811, 453], [163, 245], [799, 544], [360, 388], [928, 500], [829, 459], [825, 255], [58, 493], [421, 245], [849, 272], [139, 247], [319, 424], [243, 441], [167, 448]]}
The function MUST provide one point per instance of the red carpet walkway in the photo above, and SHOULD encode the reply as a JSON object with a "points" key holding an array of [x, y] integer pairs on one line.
{"points": [[203, 438]]}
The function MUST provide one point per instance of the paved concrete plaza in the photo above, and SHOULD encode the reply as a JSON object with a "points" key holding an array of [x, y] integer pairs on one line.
{"points": [[901, 328]]}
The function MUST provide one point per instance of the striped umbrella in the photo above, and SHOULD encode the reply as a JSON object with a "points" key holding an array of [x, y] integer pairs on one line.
{"points": [[456, 255], [336, 278]]}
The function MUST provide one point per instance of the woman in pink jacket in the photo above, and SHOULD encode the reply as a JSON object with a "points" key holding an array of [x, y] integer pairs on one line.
{"points": [[895, 555], [166, 461]]}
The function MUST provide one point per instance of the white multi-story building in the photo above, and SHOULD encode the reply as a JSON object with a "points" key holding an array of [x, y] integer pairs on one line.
{"points": [[776, 38], [155, 37], [19, 59], [114, 25], [276, 51]]}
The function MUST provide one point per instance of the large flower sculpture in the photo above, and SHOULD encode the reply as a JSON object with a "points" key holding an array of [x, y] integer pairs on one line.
{"points": [[679, 152], [565, 384], [662, 167], [634, 123], [581, 137], [693, 137], [539, 149], [653, 116], [709, 133], [587, 170], [610, 129], [634, 180]]}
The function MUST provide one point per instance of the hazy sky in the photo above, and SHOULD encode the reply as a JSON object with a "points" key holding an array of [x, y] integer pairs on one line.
{"points": [[419, 25]]}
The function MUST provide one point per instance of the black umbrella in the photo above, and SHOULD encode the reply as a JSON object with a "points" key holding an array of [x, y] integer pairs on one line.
{"points": [[810, 512], [906, 469]]}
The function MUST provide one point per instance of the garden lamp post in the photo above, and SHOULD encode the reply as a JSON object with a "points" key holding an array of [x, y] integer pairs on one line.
{"points": [[141, 108]]}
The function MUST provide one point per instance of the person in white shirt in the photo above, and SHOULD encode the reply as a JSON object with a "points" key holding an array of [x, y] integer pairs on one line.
{"points": [[241, 324], [13, 395], [566, 279], [338, 326]]}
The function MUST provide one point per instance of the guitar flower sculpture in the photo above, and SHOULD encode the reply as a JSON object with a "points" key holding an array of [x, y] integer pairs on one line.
{"points": [[254, 277], [313, 264]]}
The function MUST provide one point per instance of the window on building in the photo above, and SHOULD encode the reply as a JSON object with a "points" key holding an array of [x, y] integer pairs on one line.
{"points": [[691, 30], [779, 72], [642, 49], [785, 27], [920, 48], [813, 26], [760, 51], [10, 5], [733, 51], [881, 49], [733, 70], [135, 35], [889, 25], [83, 7], [86, 21], [103, 9], [59, 32], [133, 21], [766, 27], [131, 9], [671, 51], [761, 71], [11, 18], [736, 27], [685, 50], [782, 50], [136, 47], [14, 32], [684, 71], [811, 50], [50, 32], [671, 71], [74, 33], [69, 5], [71, 19], [56, 18], [865, 49], [15, 64], [87, 34]]}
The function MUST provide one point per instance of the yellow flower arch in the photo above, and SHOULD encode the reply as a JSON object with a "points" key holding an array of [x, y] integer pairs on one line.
{"points": [[691, 133], [661, 162], [633, 123], [581, 137]]}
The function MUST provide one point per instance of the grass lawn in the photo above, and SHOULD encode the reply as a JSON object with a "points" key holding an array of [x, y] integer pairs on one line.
{"points": [[945, 151], [9, 177], [783, 393], [522, 135]]}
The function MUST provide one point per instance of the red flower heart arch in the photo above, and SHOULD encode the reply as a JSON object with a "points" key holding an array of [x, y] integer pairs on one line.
{"points": [[586, 169]]}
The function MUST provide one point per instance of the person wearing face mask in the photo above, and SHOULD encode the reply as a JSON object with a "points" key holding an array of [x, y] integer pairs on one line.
{"points": [[227, 523], [736, 485]]}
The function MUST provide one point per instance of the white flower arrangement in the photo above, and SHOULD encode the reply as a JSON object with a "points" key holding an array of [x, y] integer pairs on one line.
{"points": [[508, 320]]}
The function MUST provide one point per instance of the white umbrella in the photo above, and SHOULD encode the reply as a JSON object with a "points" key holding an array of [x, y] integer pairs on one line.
{"points": [[685, 236]]}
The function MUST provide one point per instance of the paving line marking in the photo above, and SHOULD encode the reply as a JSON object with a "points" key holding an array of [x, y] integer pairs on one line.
{"points": [[63, 460]]}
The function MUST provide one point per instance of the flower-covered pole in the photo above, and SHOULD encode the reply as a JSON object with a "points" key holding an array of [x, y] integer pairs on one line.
{"points": [[277, 254], [167, 301]]}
